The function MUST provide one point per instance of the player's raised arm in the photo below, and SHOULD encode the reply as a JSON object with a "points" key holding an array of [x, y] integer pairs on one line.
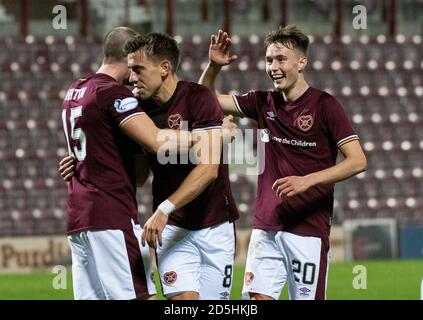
{"points": [[219, 56], [207, 153]]}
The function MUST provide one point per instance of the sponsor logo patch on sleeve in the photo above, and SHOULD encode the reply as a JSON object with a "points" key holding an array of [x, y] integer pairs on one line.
{"points": [[124, 105]]}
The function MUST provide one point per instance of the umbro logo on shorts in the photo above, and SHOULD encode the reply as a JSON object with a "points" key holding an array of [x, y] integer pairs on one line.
{"points": [[305, 292], [224, 295], [170, 277]]}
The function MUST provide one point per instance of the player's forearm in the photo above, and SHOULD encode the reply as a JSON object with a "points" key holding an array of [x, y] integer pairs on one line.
{"points": [[209, 76], [166, 141], [143, 131], [194, 184], [173, 141], [347, 168]]}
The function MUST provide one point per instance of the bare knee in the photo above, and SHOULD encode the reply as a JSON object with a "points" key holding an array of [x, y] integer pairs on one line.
{"points": [[188, 295], [259, 296], [148, 297]]}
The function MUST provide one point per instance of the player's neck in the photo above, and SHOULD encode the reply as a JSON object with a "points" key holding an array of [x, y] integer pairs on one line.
{"points": [[297, 90], [115, 71], [166, 91]]}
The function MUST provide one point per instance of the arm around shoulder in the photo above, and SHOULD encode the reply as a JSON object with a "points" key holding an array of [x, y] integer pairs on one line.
{"points": [[143, 131]]}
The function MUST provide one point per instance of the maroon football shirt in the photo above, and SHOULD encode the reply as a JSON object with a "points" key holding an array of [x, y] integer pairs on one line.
{"points": [[101, 195], [198, 106], [303, 137]]}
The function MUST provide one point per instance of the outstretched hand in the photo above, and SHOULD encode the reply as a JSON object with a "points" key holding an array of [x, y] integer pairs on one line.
{"points": [[219, 51]]}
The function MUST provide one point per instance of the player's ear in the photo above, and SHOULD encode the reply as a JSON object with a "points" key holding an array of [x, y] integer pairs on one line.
{"points": [[166, 68], [302, 63]]}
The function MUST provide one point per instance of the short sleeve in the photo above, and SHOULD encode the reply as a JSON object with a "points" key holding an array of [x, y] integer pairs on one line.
{"points": [[205, 110], [247, 104], [119, 103], [336, 121]]}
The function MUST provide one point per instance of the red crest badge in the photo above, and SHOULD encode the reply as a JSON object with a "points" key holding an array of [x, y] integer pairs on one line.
{"points": [[170, 277], [304, 122], [174, 121]]}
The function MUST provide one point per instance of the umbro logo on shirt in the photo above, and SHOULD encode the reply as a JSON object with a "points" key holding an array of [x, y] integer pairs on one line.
{"points": [[271, 115]]}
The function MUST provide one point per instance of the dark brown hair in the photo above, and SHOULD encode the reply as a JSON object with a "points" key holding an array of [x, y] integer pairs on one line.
{"points": [[114, 43], [157, 46], [290, 36]]}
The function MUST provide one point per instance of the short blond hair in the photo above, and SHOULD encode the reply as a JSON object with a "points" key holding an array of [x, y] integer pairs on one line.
{"points": [[114, 43]]}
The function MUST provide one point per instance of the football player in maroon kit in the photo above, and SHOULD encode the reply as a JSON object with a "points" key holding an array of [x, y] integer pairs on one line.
{"points": [[303, 129], [193, 200], [99, 115], [194, 209]]}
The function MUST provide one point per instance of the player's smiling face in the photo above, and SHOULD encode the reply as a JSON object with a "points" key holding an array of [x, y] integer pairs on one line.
{"points": [[283, 65], [146, 74]]}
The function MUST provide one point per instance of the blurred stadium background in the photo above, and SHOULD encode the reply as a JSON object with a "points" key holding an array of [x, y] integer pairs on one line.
{"points": [[376, 73]]}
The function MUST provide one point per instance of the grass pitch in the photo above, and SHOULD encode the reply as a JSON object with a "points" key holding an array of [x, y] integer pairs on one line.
{"points": [[386, 280]]}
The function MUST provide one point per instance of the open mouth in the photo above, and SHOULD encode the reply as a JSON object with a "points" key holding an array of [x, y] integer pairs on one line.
{"points": [[278, 77]]}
